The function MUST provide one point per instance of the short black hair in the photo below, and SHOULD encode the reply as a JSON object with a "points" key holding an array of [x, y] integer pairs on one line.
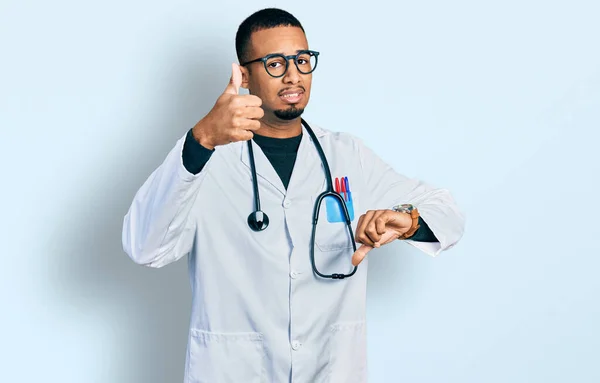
{"points": [[264, 19]]}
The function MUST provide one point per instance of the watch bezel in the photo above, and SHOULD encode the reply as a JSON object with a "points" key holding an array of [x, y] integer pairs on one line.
{"points": [[404, 208]]}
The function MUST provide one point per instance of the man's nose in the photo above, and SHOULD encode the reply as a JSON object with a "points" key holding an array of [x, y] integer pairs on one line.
{"points": [[292, 75]]}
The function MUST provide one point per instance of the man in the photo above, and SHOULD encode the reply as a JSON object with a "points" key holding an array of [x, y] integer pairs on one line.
{"points": [[262, 311]]}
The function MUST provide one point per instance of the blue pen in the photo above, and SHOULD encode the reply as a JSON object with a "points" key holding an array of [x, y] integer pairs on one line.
{"points": [[348, 188]]}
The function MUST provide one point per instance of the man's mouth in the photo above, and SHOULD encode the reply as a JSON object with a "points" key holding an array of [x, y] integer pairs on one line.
{"points": [[292, 97]]}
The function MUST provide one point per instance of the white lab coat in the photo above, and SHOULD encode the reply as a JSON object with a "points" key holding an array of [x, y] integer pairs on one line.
{"points": [[259, 313]]}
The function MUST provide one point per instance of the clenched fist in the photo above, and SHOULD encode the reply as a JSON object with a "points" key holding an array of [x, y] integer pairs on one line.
{"points": [[233, 117], [379, 227]]}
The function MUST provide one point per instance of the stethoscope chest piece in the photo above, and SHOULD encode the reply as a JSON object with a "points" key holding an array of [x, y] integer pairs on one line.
{"points": [[258, 220]]}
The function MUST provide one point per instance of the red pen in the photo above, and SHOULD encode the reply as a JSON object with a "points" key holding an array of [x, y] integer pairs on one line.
{"points": [[337, 184], [344, 190]]}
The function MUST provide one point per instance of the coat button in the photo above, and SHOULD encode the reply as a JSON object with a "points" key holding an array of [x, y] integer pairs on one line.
{"points": [[287, 203], [296, 345], [294, 274]]}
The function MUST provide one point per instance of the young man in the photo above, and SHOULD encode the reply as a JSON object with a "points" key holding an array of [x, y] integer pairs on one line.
{"points": [[277, 298]]}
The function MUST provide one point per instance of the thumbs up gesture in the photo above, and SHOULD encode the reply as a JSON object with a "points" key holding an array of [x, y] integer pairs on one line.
{"points": [[233, 118]]}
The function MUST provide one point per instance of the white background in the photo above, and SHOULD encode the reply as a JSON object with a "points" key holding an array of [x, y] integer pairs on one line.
{"points": [[497, 101]]}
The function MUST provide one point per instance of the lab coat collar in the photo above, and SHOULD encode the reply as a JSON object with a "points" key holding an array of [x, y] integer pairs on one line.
{"points": [[304, 165]]}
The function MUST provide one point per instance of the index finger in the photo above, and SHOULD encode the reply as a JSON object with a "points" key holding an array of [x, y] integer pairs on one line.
{"points": [[250, 100]]}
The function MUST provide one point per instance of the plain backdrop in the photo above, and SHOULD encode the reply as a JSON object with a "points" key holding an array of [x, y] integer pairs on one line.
{"points": [[498, 101]]}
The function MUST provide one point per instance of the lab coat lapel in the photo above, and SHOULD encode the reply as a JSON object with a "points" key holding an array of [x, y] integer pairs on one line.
{"points": [[308, 176], [264, 168]]}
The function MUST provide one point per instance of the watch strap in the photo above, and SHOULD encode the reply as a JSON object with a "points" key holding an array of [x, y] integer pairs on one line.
{"points": [[414, 214]]}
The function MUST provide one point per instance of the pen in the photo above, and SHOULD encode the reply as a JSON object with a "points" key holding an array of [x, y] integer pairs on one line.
{"points": [[348, 188]]}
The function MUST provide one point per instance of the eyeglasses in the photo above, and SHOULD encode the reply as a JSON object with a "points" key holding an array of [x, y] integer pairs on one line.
{"points": [[277, 64]]}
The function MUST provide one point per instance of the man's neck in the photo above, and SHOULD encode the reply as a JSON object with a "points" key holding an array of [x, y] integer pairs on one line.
{"points": [[280, 129]]}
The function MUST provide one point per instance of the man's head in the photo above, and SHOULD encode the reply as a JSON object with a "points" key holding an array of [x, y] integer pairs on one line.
{"points": [[274, 31]]}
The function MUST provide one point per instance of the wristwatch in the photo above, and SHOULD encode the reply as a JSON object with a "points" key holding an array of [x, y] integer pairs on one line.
{"points": [[414, 214]]}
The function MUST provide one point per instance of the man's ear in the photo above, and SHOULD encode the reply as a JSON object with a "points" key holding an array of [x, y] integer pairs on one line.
{"points": [[245, 78]]}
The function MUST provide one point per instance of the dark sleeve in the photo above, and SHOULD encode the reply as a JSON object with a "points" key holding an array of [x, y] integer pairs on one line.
{"points": [[423, 233], [194, 155]]}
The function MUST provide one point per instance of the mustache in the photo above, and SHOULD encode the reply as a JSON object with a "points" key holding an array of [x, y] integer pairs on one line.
{"points": [[292, 87]]}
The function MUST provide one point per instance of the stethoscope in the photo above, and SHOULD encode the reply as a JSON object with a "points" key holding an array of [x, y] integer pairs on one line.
{"points": [[259, 220]]}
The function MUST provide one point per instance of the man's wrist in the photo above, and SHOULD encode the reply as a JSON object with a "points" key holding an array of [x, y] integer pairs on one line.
{"points": [[199, 134], [411, 215], [194, 155]]}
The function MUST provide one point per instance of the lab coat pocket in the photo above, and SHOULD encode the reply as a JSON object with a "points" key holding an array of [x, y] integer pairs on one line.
{"points": [[226, 357], [348, 353], [332, 232]]}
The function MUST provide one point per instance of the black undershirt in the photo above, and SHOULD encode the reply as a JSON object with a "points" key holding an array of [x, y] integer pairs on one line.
{"points": [[281, 152]]}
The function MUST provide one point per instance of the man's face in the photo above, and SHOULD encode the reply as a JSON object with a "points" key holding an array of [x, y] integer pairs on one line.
{"points": [[283, 98]]}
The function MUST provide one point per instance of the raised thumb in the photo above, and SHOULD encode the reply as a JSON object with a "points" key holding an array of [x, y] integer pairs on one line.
{"points": [[235, 81]]}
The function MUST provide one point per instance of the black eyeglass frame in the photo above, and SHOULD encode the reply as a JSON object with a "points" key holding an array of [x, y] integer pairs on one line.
{"points": [[286, 59]]}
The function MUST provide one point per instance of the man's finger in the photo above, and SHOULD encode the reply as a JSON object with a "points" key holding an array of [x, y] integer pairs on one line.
{"points": [[242, 135], [360, 254], [371, 229], [250, 125], [253, 112], [249, 100], [387, 237], [358, 225], [235, 81], [360, 235], [380, 224]]}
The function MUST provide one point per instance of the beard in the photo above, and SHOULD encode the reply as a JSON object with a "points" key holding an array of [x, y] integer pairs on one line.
{"points": [[289, 114]]}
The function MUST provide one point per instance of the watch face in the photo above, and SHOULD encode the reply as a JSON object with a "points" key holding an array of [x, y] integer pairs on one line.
{"points": [[404, 208], [408, 208]]}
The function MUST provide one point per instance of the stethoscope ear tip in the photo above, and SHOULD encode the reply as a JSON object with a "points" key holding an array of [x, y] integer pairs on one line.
{"points": [[258, 220]]}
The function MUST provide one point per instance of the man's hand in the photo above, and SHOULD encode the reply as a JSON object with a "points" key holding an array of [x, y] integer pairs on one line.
{"points": [[379, 227], [233, 117]]}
